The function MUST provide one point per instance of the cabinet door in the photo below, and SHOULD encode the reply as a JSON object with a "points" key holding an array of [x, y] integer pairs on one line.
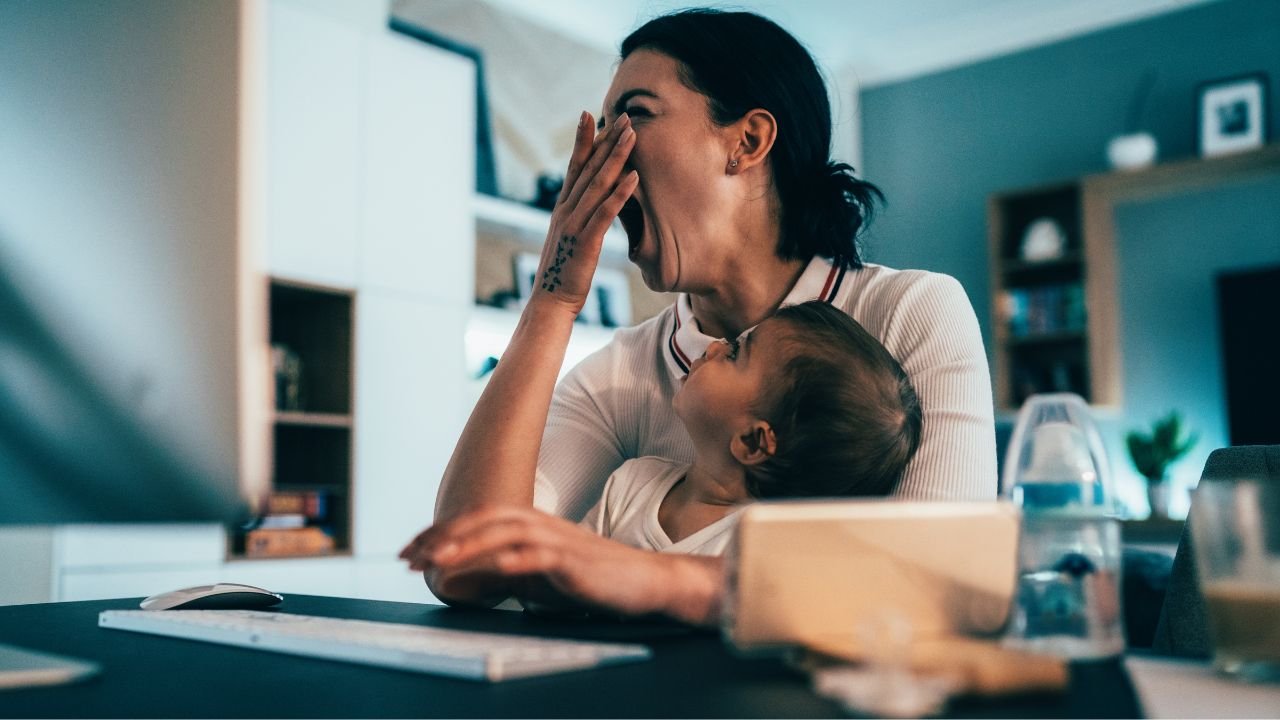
{"points": [[308, 576], [315, 83], [97, 546], [409, 390], [420, 170]]}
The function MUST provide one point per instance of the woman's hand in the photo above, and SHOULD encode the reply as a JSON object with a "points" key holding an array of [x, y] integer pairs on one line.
{"points": [[595, 189], [472, 556]]}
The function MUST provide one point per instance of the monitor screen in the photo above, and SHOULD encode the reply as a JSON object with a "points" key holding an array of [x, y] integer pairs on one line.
{"points": [[125, 273], [1247, 302]]}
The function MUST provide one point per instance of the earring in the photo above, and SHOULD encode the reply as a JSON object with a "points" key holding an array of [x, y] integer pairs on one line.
{"points": [[733, 163]]}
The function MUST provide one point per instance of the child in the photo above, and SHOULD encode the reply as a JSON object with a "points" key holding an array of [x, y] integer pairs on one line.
{"points": [[808, 404]]}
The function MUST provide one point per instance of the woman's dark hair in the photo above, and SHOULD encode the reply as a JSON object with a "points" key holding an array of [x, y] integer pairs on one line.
{"points": [[741, 61], [846, 418]]}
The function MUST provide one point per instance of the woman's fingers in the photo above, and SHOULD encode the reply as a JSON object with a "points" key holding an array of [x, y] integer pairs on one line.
{"points": [[600, 220], [425, 543], [583, 143], [591, 178], [476, 533]]}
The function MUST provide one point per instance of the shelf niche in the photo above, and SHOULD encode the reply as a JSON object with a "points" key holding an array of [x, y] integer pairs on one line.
{"points": [[312, 439]]}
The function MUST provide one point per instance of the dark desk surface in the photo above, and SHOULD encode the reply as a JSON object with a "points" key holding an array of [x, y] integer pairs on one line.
{"points": [[692, 674]]}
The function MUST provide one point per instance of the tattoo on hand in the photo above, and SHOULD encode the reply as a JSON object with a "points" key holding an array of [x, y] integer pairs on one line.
{"points": [[564, 251]]}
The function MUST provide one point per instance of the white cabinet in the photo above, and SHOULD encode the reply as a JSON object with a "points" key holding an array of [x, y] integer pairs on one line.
{"points": [[315, 81], [370, 174], [408, 393], [420, 170]]}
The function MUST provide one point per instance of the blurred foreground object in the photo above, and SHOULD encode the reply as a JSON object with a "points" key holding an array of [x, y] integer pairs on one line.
{"points": [[1237, 550], [808, 573]]}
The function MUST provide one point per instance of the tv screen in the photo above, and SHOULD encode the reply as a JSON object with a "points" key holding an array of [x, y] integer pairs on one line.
{"points": [[1248, 303]]}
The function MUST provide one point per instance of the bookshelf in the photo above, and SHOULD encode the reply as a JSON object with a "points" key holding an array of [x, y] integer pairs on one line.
{"points": [[1041, 329], [309, 512], [1055, 322]]}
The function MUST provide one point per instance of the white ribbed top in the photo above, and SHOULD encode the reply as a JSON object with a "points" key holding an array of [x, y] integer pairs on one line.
{"points": [[616, 404]]}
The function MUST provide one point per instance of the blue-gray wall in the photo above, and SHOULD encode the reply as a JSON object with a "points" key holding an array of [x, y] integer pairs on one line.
{"points": [[939, 145]]}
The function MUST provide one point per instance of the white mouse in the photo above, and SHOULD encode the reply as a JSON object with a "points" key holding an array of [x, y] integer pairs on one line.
{"points": [[223, 596]]}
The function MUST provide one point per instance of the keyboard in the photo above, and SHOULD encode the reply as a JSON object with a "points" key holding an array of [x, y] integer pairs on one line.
{"points": [[456, 653]]}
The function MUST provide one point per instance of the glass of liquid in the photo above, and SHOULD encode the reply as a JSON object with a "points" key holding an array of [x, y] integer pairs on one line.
{"points": [[1236, 527]]}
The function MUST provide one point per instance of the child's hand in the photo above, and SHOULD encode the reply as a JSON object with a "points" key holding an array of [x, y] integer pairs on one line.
{"points": [[594, 191]]}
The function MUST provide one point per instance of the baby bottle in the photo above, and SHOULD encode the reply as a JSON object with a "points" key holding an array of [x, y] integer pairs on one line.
{"points": [[1068, 594]]}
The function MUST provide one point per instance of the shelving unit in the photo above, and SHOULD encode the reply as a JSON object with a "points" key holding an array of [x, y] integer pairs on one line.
{"points": [[312, 442], [1080, 351], [1040, 324]]}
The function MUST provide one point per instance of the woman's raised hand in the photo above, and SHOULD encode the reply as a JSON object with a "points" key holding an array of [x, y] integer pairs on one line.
{"points": [[595, 189]]}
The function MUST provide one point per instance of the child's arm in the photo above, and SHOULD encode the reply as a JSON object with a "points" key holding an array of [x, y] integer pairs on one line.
{"points": [[496, 457]]}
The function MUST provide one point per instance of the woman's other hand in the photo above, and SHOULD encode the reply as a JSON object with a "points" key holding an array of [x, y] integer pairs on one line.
{"points": [[472, 557], [595, 189]]}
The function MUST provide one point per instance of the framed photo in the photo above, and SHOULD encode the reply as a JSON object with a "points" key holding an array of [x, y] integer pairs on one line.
{"points": [[525, 266], [609, 302], [1233, 114]]}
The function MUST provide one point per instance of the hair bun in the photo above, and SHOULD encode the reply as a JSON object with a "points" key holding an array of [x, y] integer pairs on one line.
{"points": [[833, 208]]}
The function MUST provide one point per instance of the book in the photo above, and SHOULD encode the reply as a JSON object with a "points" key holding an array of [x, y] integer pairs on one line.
{"points": [[311, 504], [281, 542]]}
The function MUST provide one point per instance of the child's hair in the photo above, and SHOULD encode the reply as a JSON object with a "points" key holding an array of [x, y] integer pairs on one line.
{"points": [[846, 418]]}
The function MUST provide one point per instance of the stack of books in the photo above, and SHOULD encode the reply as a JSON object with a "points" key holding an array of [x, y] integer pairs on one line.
{"points": [[293, 524], [1044, 310]]}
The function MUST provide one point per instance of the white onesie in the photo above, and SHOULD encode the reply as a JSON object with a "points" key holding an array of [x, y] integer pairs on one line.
{"points": [[628, 510]]}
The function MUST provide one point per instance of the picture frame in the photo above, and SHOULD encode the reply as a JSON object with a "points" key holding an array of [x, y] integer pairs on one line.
{"points": [[486, 170], [608, 301], [525, 268], [1232, 114]]}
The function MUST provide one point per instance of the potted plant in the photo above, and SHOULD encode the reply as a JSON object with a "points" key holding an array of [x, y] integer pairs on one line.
{"points": [[1152, 454]]}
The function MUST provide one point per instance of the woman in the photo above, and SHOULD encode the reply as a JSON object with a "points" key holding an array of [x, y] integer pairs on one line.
{"points": [[715, 156]]}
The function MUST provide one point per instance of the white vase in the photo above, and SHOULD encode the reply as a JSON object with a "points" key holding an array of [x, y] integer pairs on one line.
{"points": [[1158, 495], [1130, 152]]}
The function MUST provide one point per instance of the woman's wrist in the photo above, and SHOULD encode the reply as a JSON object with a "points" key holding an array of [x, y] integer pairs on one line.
{"points": [[692, 586], [543, 309]]}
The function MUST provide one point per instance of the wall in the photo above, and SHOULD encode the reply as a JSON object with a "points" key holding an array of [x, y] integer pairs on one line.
{"points": [[940, 144]]}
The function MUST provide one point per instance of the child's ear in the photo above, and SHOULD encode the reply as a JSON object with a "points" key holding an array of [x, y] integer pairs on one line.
{"points": [[755, 444]]}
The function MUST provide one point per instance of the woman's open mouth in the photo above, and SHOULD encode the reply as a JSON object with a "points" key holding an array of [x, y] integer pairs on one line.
{"points": [[632, 219]]}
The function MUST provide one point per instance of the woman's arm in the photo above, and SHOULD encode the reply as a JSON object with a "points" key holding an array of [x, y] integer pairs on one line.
{"points": [[512, 544], [496, 457], [497, 454]]}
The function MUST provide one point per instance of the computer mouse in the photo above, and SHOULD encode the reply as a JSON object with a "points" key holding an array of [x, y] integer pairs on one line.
{"points": [[223, 596]]}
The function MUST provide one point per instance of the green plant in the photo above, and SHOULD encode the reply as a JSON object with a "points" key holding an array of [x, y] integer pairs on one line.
{"points": [[1152, 453]]}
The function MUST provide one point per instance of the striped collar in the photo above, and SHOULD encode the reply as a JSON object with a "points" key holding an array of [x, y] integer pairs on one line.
{"points": [[685, 342]]}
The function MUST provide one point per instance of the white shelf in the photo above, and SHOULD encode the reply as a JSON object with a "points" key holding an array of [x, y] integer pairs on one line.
{"points": [[531, 223], [489, 331]]}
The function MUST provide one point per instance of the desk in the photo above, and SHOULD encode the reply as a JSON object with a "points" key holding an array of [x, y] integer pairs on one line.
{"points": [[692, 674]]}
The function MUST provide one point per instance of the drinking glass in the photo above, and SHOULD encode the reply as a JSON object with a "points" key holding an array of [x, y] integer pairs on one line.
{"points": [[1236, 527]]}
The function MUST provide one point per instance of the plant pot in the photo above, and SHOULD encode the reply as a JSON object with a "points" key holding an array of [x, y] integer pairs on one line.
{"points": [[1158, 494]]}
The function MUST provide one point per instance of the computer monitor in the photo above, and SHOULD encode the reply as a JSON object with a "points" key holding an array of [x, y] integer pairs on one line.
{"points": [[132, 321], [133, 346]]}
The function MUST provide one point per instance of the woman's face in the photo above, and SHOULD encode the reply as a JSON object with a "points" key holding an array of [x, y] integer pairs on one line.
{"points": [[681, 156]]}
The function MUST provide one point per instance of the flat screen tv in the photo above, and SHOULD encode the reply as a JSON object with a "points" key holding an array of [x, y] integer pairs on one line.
{"points": [[1249, 317]]}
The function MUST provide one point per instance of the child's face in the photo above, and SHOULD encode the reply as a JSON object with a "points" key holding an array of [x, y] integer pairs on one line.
{"points": [[717, 397]]}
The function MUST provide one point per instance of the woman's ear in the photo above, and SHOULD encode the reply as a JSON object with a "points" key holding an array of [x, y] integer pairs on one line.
{"points": [[755, 444], [753, 134]]}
